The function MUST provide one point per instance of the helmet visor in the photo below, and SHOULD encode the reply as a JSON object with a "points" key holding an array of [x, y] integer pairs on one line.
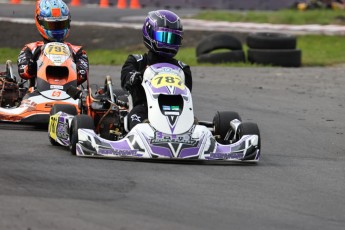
{"points": [[167, 37], [54, 23]]}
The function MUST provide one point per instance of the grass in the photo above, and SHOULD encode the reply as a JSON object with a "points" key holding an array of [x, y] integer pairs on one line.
{"points": [[293, 17], [317, 50]]}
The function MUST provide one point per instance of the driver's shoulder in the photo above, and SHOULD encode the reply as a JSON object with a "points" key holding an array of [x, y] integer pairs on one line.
{"points": [[74, 48], [138, 57], [34, 45], [182, 64]]}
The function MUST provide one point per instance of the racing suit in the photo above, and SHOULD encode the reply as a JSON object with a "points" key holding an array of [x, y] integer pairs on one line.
{"points": [[27, 65], [136, 64]]}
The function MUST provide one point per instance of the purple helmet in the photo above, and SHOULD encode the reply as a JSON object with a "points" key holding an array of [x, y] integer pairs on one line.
{"points": [[162, 32]]}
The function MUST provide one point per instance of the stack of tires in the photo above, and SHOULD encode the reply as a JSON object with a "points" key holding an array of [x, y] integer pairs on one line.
{"points": [[219, 48], [276, 49]]}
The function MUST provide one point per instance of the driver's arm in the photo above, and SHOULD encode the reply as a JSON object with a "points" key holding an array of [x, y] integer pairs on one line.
{"points": [[27, 66]]}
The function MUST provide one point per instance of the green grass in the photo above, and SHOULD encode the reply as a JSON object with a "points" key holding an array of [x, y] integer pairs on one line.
{"points": [[323, 17], [317, 50], [8, 54]]}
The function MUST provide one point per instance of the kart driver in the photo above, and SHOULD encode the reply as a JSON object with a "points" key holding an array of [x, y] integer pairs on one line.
{"points": [[53, 23], [162, 35]]}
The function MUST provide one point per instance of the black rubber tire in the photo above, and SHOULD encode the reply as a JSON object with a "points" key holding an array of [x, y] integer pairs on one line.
{"points": [[249, 128], [108, 124], [217, 41], [80, 121], [70, 109], [224, 57], [221, 122], [121, 94], [285, 58], [271, 41]]}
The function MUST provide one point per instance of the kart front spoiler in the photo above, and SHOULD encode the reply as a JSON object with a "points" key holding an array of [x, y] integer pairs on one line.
{"points": [[136, 145]]}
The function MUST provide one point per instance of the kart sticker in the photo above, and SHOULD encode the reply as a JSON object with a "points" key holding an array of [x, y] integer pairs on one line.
{"points": [[53, 122], [56, 87], [56, 48], [166, 80]]}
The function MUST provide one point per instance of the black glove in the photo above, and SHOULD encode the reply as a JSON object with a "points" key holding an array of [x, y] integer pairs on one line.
{"points": [[32, 67], [82, 65], [135, 79], [82, 74]]}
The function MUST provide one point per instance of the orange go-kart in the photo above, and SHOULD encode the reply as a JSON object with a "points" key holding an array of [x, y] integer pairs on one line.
{"points": [[101, 109], [22, 102]]}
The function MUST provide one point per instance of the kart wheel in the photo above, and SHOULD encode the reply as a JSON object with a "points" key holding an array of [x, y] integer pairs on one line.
{"points": [[108, 124], [70, 109], [249, 128], [221, 123], [121, 94], [81, 121], [53, 142]]}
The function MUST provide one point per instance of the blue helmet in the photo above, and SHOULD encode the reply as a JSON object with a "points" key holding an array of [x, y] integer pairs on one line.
{"points": [[162, 32], [52, 19]]}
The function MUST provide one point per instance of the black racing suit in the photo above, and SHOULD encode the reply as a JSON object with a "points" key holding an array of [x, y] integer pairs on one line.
{"points": [[138, 63]]}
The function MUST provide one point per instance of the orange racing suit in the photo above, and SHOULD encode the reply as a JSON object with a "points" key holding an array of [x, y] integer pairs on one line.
{"points": [[27, 65]]}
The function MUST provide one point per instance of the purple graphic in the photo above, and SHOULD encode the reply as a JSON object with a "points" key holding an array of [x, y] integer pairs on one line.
{"points": [[158, 66], [162, 151], [122, 144]]}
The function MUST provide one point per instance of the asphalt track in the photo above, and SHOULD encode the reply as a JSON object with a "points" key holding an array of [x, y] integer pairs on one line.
{"points": [[298, 184]]}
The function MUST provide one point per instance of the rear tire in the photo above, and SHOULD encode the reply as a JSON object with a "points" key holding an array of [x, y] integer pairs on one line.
{"points": [[121, 94], [70, 109], [221, 123], [81, 121]]}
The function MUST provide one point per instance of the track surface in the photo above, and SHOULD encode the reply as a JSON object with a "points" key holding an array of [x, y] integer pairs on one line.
{"points": [[298, 184]]}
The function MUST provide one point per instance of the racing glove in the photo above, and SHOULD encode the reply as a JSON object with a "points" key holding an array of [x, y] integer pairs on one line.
{"points": [[135, 79], [82, 65], [27, 67], [32, 67]]}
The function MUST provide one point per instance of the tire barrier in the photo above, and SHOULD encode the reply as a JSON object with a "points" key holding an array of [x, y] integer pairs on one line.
{"points": [[276, 57], [271, 41], [215, 58], [218, 41], [206, 47], [275, 49]]}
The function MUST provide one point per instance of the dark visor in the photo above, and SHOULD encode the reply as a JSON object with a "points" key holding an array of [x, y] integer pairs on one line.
{"points": [[167, 37], [55, 24]]}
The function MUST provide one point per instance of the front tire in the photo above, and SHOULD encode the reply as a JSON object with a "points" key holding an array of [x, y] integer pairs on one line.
{"points": [[249, 128], [221, 124], [81, 121], [70, 109]]}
